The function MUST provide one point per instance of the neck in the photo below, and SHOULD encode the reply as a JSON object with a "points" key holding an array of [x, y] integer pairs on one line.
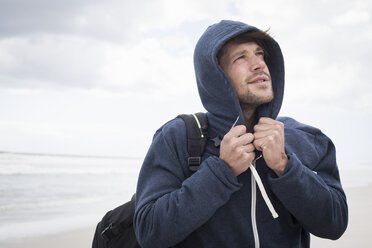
{"points": [[249, 113]]}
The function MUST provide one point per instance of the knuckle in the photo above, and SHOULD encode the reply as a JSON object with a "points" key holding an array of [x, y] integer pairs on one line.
{"points": [[240, 153], [235, 146], [279, 125], [227, 138], [250, 148], [247, 138], [250, 156], [242, 128], [276, 133]]}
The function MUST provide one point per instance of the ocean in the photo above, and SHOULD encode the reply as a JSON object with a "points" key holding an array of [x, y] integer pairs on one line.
{"points": [[45, 194]]}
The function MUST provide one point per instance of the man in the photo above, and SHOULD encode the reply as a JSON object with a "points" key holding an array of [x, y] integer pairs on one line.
{"points": [[240, 77]]}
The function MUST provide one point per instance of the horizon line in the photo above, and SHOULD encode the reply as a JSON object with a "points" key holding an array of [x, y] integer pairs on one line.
{"points": [[69, 155]]}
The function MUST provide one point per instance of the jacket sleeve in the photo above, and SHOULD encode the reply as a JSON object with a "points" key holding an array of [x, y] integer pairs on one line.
{"points": [[310, 187], [170, 204]]}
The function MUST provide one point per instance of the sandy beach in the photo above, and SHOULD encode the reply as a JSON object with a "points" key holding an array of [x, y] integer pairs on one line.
{"points": [[80, 238], [356, 235]]}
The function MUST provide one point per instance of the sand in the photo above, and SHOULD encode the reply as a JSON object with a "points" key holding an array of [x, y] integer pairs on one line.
{"points": [[80, 238], [357, 234]]}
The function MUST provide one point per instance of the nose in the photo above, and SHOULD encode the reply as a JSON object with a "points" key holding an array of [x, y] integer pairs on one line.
{"points": [[257, 63]]}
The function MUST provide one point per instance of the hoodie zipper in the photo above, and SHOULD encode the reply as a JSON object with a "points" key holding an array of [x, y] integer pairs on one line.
{"points": [[255, 178], [253, 209]]}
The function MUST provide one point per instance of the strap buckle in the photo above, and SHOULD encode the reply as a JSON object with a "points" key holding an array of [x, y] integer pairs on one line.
{"points": [[194, 163]]}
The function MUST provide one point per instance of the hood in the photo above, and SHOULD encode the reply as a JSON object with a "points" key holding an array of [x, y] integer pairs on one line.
{"points": [[216, 92]]}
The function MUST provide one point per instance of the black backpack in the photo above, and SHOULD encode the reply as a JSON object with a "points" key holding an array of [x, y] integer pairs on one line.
{"points": [[115, 230]]}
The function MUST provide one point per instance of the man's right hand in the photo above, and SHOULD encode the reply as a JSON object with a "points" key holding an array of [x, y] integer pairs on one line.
{"points": [[237, 149]]}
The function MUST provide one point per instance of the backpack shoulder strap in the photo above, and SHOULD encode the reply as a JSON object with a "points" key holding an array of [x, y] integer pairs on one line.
{"points": [[197, 137]]}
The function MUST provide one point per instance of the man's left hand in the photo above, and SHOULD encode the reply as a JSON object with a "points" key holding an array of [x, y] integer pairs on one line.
{"points": [[269, 139]]}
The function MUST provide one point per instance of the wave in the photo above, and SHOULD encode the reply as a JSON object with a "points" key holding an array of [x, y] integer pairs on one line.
{"points": [[20, 164], [63, 171], [2, 153]]}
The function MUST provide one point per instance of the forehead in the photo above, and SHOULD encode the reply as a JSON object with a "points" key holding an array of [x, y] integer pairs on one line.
{"points": [[232, 48]]}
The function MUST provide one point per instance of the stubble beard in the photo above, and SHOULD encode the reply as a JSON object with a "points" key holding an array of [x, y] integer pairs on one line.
{"points": [[254, 100]]}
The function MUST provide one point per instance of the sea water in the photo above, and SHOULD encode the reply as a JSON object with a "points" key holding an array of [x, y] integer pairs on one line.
{"points": [[45, 194]]}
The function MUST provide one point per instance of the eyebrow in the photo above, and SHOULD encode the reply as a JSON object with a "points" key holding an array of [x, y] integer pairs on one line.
{"points": [[241, 52], [238, 53]]}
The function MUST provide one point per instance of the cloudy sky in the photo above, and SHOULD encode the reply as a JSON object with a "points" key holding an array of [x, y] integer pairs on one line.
{"points": [[99, 77]]}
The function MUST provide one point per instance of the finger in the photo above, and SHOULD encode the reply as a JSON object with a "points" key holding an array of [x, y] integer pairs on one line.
{"points": [[262, 127], [273, 126], [244, 153], [244, 140], [248, 156], [237, 137], [260, 144], [266, 120], [237, 131], [266, 133], [247, 138], [249, 148], [269, 121]]}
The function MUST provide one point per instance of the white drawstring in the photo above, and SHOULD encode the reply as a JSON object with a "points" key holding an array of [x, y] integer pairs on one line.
{"points": [[262, 188], [259, 183]]}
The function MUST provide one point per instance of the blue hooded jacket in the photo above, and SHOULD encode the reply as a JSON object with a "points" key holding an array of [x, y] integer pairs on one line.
{"points": [[213, 207]]}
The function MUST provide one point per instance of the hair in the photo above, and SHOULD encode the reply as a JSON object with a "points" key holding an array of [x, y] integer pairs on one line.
{"points": [[259, 37]]}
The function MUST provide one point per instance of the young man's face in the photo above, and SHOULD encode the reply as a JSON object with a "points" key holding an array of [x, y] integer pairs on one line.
{"points": [[246, 68]]}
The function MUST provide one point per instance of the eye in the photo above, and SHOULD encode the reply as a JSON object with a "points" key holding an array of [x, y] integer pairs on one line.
{"points": [[260, 53], [240, 57]]}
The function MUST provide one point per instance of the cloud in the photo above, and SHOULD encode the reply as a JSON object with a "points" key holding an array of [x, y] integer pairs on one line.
{"points": [[113, 20], [19, 17], [358, 14], [326, 50], [147, 46], [60, 62], [106, 20], [121, 45], [91, 44], [48, 61], [95, 77]]}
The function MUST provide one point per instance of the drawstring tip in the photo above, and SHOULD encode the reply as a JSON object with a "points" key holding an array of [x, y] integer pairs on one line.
{"points": [[266, 198]]}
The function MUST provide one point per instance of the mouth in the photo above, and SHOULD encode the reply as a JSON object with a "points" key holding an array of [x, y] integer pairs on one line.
{"points": [[259, 79]]}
